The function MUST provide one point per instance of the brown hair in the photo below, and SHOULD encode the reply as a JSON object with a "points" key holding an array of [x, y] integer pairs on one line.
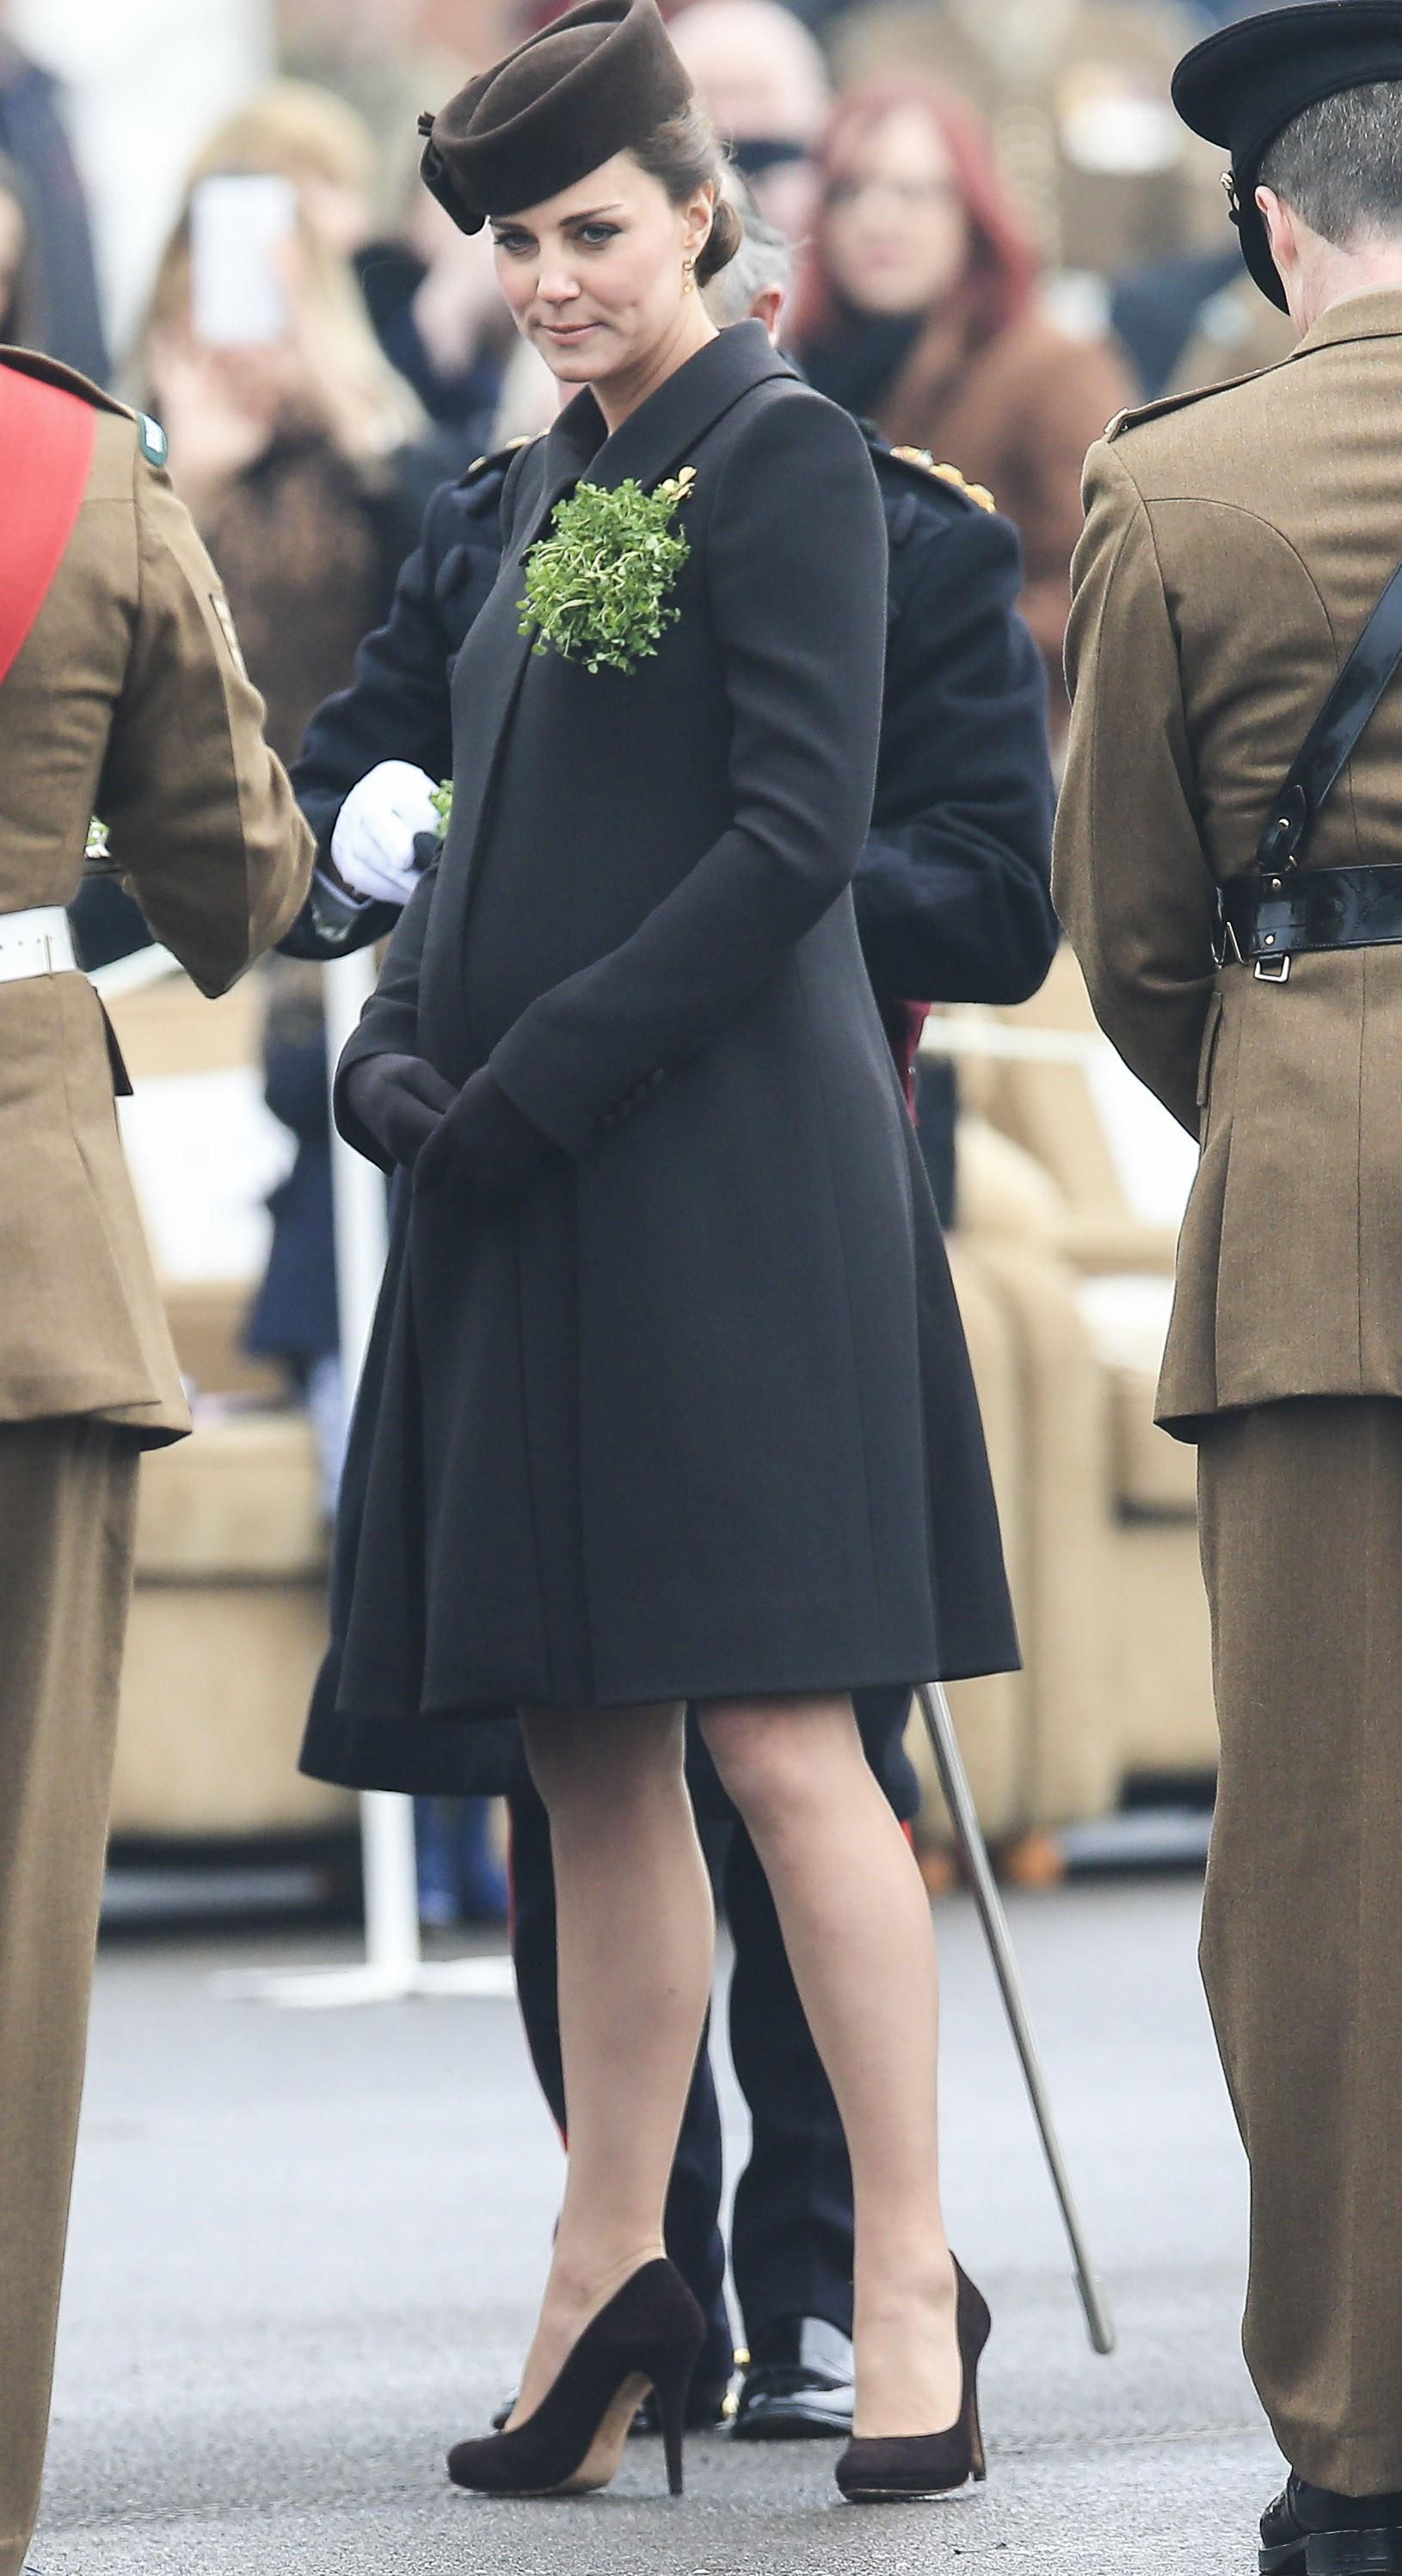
{"points": [[999, 285], [684, 154]]}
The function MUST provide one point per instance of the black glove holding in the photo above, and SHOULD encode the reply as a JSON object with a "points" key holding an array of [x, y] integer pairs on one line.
{"points": [[399, 1100], [487, 1145]]}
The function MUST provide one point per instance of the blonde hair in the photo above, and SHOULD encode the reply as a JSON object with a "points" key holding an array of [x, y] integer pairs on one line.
{"points": [[370, 408], [298, 129]]}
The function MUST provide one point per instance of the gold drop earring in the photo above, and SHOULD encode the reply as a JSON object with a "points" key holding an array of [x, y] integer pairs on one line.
{"points": [[689, 275]]}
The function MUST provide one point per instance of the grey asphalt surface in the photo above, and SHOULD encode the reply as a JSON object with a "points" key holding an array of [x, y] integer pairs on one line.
{"points": [[306, 2247]]}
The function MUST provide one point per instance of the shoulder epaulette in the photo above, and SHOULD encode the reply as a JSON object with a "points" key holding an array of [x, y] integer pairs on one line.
{"points": [[50, 371], [499, 455], [1135, 415], [919, 462]]}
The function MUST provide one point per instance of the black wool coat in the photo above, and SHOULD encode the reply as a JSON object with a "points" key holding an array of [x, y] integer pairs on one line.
{"points": [[953, 887], [695, 1419]]}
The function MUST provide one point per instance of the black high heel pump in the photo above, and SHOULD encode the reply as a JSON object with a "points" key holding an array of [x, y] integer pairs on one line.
{"points": [[928, 2464], [648, 2337]]}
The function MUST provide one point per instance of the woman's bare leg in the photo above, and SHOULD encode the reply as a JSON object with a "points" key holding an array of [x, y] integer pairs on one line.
{"points": [[856, 1924], [636, 1938]]}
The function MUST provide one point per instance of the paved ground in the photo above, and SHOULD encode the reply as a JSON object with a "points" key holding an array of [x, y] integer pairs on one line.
{"points": [[306, 2247]]}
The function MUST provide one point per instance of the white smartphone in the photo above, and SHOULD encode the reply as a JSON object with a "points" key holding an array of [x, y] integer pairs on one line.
{"points": [[238, 222]]}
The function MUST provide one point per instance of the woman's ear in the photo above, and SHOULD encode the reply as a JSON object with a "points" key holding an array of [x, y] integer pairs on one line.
{"points": [[700, 217]]}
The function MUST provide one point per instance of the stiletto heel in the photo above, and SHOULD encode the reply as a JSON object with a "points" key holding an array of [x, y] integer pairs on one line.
{"points": [[648, 2337], [671, 2381], [928, 2464]]}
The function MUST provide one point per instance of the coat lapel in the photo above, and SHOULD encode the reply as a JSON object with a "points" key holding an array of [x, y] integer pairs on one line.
{"points": [[650, 444], [658, 435], [497, 648]]}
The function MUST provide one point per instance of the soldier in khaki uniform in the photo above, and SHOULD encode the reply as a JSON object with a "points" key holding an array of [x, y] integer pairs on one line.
{"points": [[1237, 547], [122, 696]]}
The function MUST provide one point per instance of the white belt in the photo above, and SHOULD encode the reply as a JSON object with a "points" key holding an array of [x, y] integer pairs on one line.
{"points": [[35, 943]]}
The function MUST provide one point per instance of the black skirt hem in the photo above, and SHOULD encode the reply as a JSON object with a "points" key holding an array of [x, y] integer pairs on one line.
{"points": [[453, 1752]]}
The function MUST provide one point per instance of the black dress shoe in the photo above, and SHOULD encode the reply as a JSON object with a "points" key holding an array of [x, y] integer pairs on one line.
{"points": [[798, 2387], [1309, 2531]]}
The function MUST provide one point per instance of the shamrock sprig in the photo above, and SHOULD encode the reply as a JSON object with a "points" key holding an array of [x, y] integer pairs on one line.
{"points": [[597, 587]]}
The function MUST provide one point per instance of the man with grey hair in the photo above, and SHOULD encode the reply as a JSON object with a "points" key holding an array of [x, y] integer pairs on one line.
{"points": [[1229, 867]]}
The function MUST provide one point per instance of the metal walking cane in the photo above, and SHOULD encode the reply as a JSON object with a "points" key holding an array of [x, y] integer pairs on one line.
{"points": [[959, 1797]]}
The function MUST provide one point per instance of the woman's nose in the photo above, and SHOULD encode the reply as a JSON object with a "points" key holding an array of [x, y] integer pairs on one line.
{"points": [[556, 286]]}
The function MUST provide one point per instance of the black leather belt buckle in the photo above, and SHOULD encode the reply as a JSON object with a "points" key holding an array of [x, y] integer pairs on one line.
{"points": [[1267, 920]]}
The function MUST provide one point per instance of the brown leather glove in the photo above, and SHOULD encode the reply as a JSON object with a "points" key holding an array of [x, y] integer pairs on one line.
{"points": [[399, 1100], [485, 1143]]}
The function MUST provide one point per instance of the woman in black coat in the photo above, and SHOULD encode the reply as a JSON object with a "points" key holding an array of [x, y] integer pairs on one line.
{"points": [[676, 1404]]}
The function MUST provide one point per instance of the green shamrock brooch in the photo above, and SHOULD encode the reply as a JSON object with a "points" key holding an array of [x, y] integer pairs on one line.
{"points": [[597, 587]]}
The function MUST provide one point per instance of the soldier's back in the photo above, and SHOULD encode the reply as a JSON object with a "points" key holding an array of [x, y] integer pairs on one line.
{"points": [[1273, 506]]}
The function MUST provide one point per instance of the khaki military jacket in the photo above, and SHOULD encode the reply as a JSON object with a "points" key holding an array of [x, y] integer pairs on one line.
{"points": [[1235, 546], [127, 701]]}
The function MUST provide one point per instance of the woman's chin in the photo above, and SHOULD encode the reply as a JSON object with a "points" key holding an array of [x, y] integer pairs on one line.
{"points": [[574, 362]]}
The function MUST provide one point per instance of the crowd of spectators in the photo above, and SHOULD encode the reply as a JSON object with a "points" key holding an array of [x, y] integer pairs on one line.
{"points": [[1002, 233]]}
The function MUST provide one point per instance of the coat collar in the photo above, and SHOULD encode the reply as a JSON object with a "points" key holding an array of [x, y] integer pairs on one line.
{"points": [[655, 438], [659, 433], [1375, 316]]}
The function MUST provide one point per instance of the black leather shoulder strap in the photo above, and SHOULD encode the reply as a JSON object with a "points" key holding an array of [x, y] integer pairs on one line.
{"points": [[1335, 734]]}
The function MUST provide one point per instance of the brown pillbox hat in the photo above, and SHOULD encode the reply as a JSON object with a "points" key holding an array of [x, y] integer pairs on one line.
{"points": [[604, 76]]}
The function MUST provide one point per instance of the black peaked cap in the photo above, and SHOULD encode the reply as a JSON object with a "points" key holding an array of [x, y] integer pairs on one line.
{"points": [[1241, 86], [599, 79]]}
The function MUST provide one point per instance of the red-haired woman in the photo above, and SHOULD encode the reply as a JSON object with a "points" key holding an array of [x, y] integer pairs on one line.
{"points": [[919, 310]]}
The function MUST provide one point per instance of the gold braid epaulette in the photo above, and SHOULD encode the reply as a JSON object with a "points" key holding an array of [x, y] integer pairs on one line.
{"points": [[494, 455], [921, 456]]}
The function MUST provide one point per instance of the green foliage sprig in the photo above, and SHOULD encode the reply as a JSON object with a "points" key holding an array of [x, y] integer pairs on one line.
{"points": [[597, 586], [441, 799]]}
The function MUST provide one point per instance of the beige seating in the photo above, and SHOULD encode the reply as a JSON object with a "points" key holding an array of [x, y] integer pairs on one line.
{"points": [[227, 1630], [228, 1621], [1107, 1585]]}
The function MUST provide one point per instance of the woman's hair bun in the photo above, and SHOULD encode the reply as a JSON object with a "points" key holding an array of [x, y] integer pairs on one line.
{"points": [[727, 234], [684, 154]]}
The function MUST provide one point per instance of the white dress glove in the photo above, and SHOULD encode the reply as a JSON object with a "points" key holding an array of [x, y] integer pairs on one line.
{"points": [[373, 842]]}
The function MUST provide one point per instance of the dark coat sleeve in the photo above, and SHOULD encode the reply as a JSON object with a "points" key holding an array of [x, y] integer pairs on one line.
{"points": [[389, 1023], [398, 706], [953, 893], [796, 563]]}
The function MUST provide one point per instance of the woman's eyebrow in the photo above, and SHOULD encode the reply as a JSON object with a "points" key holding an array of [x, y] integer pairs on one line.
{"points": [[588, 214]]}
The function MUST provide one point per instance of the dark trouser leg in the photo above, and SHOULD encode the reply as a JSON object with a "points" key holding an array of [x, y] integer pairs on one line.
{"points": [[67, 1514], [1302, 1932], [693, 2234]]}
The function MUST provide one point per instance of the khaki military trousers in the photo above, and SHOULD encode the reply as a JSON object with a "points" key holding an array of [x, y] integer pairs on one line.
{"points": [[67, 1511], [1301, 1508]]}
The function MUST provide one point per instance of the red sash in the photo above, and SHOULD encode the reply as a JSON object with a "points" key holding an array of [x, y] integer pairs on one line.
{"points": [[46, 448]]}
